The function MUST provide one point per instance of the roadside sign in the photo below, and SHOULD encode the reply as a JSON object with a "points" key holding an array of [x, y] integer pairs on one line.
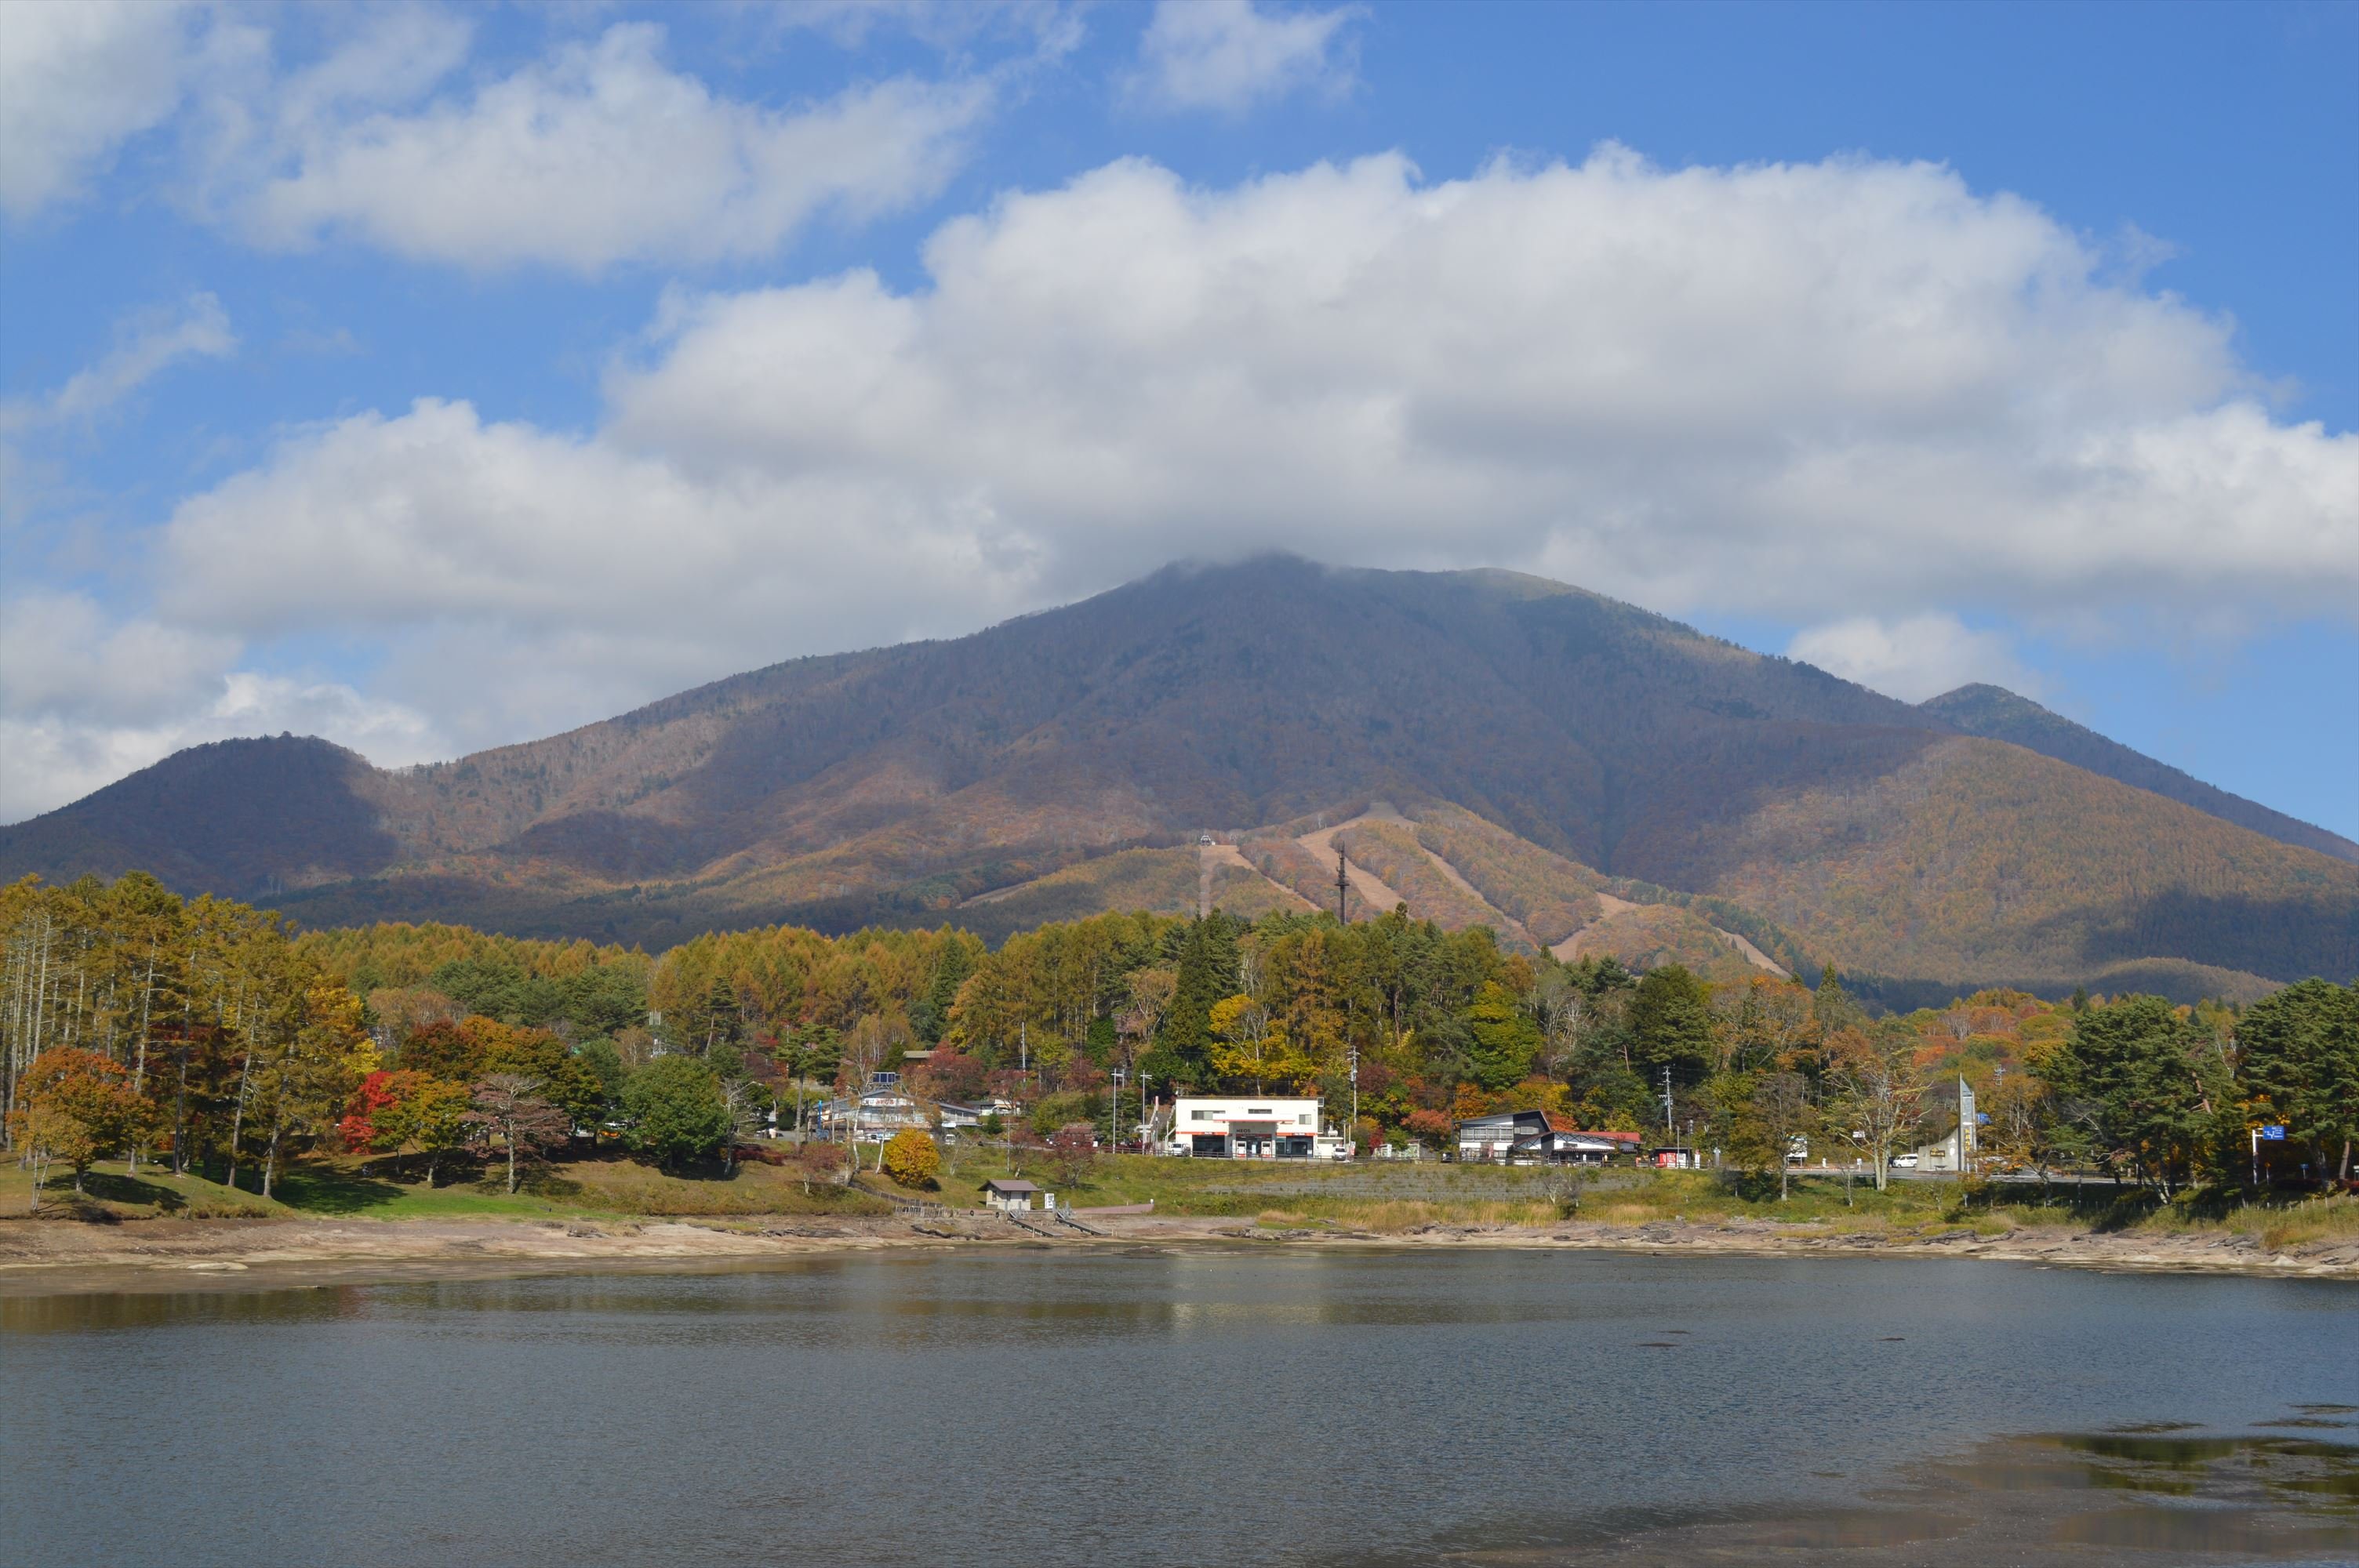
{"points": [[1981, 1117], [2273, 1134]]}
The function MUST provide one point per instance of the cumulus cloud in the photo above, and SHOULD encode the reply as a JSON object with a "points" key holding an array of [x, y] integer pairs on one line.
{"points": [[1813, 393], [592, 575], [598, 155], [1786, 390], [86, 697], [1914, 657], [76, 80], [1229, 55]]}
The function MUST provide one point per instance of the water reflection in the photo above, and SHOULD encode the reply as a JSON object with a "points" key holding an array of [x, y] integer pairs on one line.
{"points": [[1059, 1408], [2040, 1501]]}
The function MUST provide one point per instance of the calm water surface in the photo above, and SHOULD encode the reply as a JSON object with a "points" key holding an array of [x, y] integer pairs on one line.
{"points": [[1318, 1408]]}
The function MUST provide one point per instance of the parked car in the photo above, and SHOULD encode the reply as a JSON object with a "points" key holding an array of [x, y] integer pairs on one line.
{"points": [[1904, 1161]]}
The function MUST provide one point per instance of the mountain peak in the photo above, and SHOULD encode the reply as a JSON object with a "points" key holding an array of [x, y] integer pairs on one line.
{"points": [[1084, 750]]}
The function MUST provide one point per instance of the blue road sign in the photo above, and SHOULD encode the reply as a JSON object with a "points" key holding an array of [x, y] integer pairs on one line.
{"points": [[1981, 1117], [2273, 1134]]}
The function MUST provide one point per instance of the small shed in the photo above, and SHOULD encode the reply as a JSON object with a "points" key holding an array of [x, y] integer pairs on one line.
{"points": [[1014, 1196]]}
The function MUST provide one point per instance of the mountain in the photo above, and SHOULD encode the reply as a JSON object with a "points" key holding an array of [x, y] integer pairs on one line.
{"points": [[1997, 714], [1479, 745]]}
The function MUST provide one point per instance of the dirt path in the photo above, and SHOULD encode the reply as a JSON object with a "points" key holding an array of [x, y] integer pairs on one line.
{"points": [[1607, 907], [1506, 924], [1755, 956], [1209, 856], [55, 1257], [1374, 891]]}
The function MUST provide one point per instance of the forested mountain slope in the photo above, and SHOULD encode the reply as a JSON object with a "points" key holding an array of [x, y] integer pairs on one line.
{"points": [[1997, 714], [1070, 759]]}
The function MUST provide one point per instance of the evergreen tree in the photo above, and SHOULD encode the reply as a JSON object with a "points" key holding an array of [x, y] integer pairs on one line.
{"points": [[931, 1013], [1670, 1026], [1832, 1007], [2301, 1049], [676, 1110], [1208, 973], [1505, 1038], [2140, 1087]]}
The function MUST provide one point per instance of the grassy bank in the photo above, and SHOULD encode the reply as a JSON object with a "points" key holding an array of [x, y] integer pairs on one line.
{"points": [[601, 1188], [1394, 1199], [1378, 1199]]}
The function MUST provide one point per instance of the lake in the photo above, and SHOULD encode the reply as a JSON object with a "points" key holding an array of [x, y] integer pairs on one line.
{"points": [[1184, 1405]]}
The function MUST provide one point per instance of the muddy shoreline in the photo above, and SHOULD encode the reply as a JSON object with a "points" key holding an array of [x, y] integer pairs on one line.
{"points": [[57, 1255]]}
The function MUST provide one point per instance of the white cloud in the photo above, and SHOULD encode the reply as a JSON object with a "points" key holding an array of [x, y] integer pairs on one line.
{"points": [[58, 652], [1793, 391], [1817, 392], [146, 345], [597, 156], [593, 575], [1053, 26], [1229, 55], [86, 698], [1913, 658], [76, 80]]}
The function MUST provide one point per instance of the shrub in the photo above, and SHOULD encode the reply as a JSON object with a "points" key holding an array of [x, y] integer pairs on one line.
{"points": [[911, 1159], [1073, 1152], [676, 1110]]}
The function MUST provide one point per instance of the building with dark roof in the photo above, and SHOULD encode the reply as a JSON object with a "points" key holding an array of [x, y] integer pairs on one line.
{"points": [[1538, 1138]]}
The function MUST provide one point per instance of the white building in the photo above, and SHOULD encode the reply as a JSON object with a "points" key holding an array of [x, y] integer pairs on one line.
{"points": [[884, 1109], [1956, 1148], [1010, 1197], [1258, 1127]]}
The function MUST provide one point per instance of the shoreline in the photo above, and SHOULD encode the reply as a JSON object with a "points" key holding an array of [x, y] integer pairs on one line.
{"points": [[57, 1256]]}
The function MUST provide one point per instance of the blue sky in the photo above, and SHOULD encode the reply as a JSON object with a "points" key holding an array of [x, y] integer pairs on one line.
{"points": [[431, 378]]}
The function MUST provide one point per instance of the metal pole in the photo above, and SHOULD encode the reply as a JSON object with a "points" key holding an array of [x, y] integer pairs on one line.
{"points": [[1351, 1130], [1343, 885]]}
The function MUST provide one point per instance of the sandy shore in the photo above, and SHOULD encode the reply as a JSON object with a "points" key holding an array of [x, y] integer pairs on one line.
{"points": [[54, 1256]]}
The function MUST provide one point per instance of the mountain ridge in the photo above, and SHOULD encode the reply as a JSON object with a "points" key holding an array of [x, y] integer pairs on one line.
{"points": [[899, 782], [1996, 713]]}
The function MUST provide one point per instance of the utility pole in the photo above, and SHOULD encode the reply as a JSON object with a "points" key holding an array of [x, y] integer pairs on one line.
{"points": [[1142, 1114], [1342, 886], [1351, 1128], [1114, 1113], [1670, 1132]]}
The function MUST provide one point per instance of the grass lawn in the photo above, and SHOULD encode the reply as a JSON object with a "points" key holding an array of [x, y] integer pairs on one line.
{"points": [[599, 1188], [1393, 1198], [1383, 1198]]}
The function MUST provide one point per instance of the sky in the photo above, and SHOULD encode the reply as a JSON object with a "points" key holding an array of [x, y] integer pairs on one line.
{"points": [[431, 378]]}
